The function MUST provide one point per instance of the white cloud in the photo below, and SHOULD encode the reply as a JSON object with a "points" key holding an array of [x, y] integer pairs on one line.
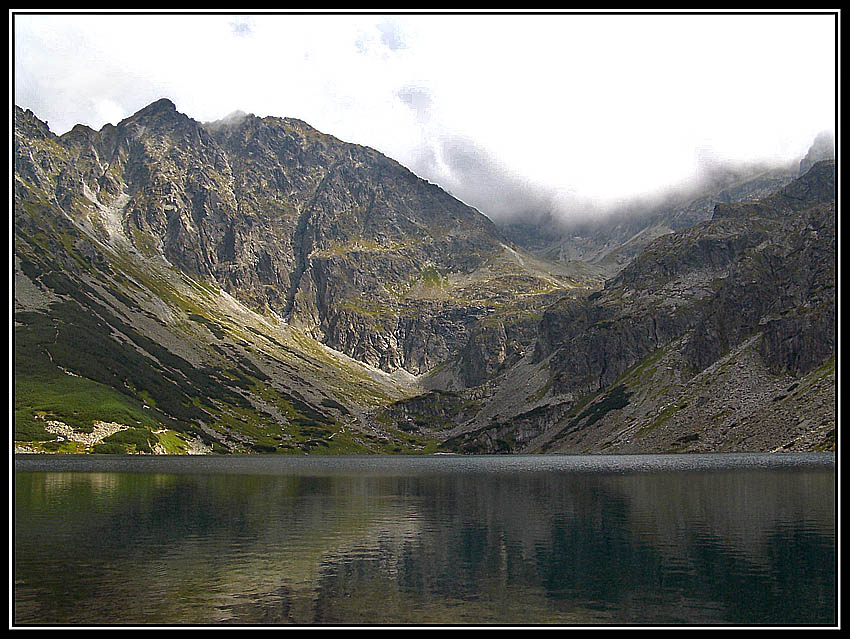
{"points": [[108, 111], [600, 105]]}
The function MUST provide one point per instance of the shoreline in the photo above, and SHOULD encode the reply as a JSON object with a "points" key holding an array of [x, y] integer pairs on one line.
{"points": [[424, 464]]}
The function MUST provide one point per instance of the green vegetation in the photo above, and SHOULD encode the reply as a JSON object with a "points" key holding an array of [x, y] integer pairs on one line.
{"points": [[42, 389], [80, 362], [666, 414], [641, 373], [171, 442], [133, 440], [75, 401], [27, 428], [431, 277]]}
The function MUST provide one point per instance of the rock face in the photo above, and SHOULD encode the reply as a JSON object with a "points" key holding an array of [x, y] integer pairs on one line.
{"points": [[345, 243], [754, 265], [254, 285]]}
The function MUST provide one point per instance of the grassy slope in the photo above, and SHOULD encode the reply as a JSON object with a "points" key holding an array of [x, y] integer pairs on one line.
{"points": [[120, 337]]}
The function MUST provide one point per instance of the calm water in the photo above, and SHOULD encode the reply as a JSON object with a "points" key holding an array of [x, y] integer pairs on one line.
{"points": [[715, 539]]}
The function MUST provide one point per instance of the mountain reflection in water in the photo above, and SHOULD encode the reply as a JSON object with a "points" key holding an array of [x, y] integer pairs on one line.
{"points": [[475, 541]]}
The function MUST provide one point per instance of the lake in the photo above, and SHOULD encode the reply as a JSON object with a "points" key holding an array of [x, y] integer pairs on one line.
{"points": [[743, 539]]}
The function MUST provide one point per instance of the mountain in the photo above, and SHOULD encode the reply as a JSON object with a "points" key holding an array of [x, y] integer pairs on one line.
{"points": [[247, 284], [255, 285], [718, 337]]}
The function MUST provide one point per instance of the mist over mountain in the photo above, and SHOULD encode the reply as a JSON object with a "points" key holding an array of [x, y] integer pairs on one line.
{"points": [[823, 148], [562, 225], [255, 285], [609, 237]]}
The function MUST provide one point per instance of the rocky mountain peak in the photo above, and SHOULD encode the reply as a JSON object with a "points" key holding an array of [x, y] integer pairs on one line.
{"points": [[163, 105], [341, 240], [816, 186], [159, 117], [27, 125]]}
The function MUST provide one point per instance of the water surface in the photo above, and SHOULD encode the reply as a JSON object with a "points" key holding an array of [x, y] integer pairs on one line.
{"points": [[678, 539]]}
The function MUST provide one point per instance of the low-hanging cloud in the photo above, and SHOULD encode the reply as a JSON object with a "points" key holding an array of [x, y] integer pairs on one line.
{"points": [[475, 176]]}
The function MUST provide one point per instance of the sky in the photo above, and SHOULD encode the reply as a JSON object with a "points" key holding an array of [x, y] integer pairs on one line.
{"points": [[510, 112]]}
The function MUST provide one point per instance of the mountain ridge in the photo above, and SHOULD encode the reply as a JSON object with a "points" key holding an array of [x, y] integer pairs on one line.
{"points": [[255, 285]]}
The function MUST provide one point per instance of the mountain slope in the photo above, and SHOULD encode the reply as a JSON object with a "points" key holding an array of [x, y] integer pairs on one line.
{"points": [[244, 285], [697, 344]]}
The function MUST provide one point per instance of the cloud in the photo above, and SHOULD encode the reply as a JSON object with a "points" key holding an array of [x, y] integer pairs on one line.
{"points": [[107, 110], [392, 35], [418, 99], [506, 111], [241, 28], [474, 175]]}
